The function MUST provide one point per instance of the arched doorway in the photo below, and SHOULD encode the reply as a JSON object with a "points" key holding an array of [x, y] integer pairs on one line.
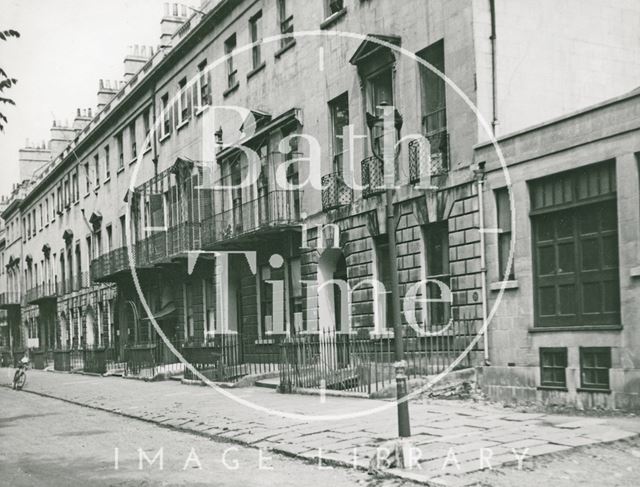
{"points": [[333, 291]]}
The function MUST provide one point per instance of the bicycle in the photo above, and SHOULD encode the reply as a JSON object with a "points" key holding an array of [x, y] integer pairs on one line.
{"points": [[20, 377]]}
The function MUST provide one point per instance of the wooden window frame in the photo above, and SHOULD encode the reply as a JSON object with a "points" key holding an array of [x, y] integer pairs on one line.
{"points": [[555, 352], [255, 31], [503, 218], [429, 232], [597, 367]]}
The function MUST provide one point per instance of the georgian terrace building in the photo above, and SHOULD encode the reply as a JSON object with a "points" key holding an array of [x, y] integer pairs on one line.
{"points": [[138, 175]]}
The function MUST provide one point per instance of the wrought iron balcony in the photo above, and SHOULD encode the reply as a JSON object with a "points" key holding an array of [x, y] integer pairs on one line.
{"points": [[107, 266], [271, 211], [429, 160], [335, 192], [42, 292], [9, 300], [167, 245], [372, 176]]}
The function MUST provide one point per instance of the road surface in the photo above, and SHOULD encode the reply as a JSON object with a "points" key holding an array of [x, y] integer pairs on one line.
{"points": [[53, 443]]}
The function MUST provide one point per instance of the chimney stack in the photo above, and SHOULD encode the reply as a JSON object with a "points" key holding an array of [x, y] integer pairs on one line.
{"points": [[107, 89], [135, 59], [32, 157], [175, 15], [83, 117], [61, 135]]}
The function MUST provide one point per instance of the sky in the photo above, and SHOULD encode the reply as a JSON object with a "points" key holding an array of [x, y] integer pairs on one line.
{"points": [[65, 47]]}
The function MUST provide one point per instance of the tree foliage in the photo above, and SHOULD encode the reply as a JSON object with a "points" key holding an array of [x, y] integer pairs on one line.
{"points": [[6, 81]]}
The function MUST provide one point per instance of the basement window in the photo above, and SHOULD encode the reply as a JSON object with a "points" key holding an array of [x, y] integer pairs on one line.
{"points": [[553, 367], [595, 363]]}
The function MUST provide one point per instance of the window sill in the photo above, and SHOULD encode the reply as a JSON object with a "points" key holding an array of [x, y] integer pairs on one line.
{"points": [[499, 285], [284, 49], [264, 341], [164, 137], [552, 388], [635, 271], [76, 202], [106, 181], [551, 329], [120, 170], [256, 70], [230, 90], [95, 191], [183, 124], [87, 194], [333, 18], [201, 110], [587, 389], [133, 161], [146, 149]]}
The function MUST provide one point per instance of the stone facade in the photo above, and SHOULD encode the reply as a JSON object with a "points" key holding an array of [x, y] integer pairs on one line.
{"points": [[606, 132], [129, 190]]}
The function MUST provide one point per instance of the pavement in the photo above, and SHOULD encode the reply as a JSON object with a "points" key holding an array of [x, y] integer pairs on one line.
{"points": [[450, 439]]}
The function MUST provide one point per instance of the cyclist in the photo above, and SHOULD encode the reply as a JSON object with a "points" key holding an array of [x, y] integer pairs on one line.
{"points": [[20, 377]]}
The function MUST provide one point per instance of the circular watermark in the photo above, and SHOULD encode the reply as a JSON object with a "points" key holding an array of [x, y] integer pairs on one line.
{"points": [[166, 114]]}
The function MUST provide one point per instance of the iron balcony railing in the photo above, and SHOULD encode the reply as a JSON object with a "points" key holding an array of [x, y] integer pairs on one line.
{"points": [[335, 192], [279, 208], [41, 292], [372, 176], [8, 299], [159, 247], [432, 159], [109, 264]]}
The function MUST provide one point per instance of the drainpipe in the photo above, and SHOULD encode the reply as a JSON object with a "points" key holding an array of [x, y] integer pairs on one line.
{"points": [[483, 261], [492, 9]]}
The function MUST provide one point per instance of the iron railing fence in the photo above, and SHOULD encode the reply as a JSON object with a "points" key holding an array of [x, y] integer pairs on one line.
{"points": [[222, 359], [348, 362], [150, 359]]}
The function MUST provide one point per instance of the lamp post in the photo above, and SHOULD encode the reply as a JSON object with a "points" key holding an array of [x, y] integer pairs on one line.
{"points": [[392, 120]]}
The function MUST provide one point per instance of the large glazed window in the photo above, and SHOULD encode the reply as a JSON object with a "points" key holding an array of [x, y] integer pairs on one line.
{"points": [[575, 244]]}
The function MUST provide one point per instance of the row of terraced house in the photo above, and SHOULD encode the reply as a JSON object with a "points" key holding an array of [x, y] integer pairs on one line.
{"points": [[515, 180]]}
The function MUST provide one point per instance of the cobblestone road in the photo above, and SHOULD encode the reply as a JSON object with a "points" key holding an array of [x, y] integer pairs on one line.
{"points": [[450, 438]]}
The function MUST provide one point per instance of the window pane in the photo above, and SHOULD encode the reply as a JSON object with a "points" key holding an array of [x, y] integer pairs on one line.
{"points": [[566, 257], [547, 260], [592, 297], [588, 221], [611, 296], [590, 254], [545, 228], [565, 224], [547, 298], [568, 300], [610, 251], [609, 219]]}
